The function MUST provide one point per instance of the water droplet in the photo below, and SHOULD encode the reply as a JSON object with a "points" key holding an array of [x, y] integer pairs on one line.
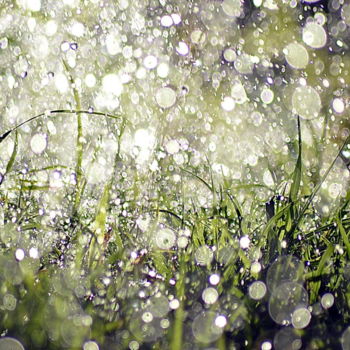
{"points": [[38, 143], [257, 290], [296, 55], [165, 97], [8, 343], [205, 329], [306, 102], [210, 295], [327, 300], [314, 35], [301, 317]]}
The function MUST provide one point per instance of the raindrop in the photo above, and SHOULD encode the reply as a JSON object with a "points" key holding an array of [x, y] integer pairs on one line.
{"points": [[284, 300], [204, 328], [306, 102], [296, 55], [345, 339], [286, 268], [38, 143], [204, 255], [327, 300], [165, 238], [257, 290], [210, 295], [314, 35], [165, 97], [8, 343], [19, 254], [90, 345], [287, 339], [301, 318]]}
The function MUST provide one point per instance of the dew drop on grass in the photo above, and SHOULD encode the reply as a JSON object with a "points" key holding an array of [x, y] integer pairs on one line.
{"points": [[214, 279], [9, 303], [8, 343], [338, 105], [296, 55], [19, 254], [90, 345], [204, 328], [165, 238], [165, 97], [244, 242], [267, 96], [172, 147], [284, 300], [327, 300], [229, 55], [286, 268], [221, 321], [38, 143], [287, 339], [345, 339], [210, 295], [232, 8], [306, 102], [257, 290], [203, 255], [301, 318], [314, 35], [266, 345], [228, 104]]}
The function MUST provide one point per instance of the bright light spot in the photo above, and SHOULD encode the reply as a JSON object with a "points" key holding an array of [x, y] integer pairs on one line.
{"points": [[257, 290], [65, 46], [90, 80], [163, 70], [113, 44], [182, 242], [230, 55], [301, 318], [166, 21], [147, 317], [182, 48], [19, 254], [61, 83], [144, 138], [90, 345], [51, 28], [33, 253], [150, 62], [30, 5], [172, 147], [210, 295], [267, 96], [176, 18], [174, 304], [165, 97], [314, 35], [38, 143], [338, 105], [112, 84], [327, 300], [228, 104], [266, 345], [255, 267], [214, 279], [78, 29], [221, 321], [244, 242]]}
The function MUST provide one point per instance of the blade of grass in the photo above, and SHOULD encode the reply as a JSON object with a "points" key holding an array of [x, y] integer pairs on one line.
{"points": [[13, 155], [294, 189]]}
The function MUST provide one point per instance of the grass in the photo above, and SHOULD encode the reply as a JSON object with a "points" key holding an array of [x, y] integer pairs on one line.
{"points": [[100, 272]]}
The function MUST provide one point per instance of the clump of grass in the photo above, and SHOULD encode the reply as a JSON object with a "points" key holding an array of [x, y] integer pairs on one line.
{"points": [[103, 272]]}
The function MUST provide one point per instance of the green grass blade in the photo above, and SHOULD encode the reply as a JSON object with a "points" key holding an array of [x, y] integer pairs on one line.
{"points": [[294, 189], [13, 155]]}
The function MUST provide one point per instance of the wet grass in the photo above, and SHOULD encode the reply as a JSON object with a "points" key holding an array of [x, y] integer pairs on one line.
{"points": [[101, 271]]}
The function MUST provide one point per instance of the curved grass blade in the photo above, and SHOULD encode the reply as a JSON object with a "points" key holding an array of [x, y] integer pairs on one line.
{"points": [[13, 155]]}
